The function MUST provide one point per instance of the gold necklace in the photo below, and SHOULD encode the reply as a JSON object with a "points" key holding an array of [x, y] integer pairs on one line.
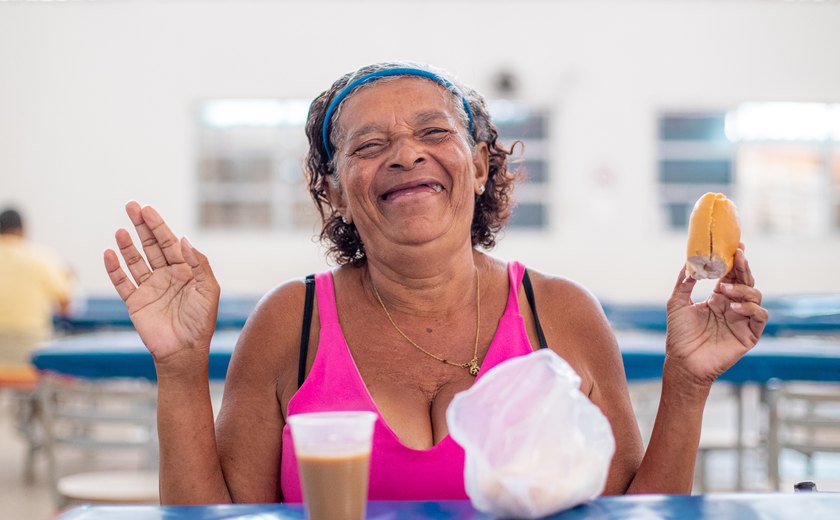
{"points": [[471, 365]]}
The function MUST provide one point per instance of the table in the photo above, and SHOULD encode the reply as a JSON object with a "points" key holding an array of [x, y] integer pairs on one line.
{"points": [[817, 314], [108, 354], [788, 359], [101, 312], [119, 354], [778, 506]]}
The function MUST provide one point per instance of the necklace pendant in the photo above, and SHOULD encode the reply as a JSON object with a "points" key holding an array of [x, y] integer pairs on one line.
{"points": [[473, 367]]}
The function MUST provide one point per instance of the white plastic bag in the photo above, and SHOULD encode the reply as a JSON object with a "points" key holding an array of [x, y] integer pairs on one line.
{"points": [[534, 444]]}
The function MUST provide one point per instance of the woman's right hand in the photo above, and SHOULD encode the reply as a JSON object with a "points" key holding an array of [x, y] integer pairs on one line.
{"points": [[174, 298]]}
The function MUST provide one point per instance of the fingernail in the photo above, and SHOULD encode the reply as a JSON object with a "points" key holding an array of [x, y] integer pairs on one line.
{"points": [[187, 241], [726, 286], [735, 305]]}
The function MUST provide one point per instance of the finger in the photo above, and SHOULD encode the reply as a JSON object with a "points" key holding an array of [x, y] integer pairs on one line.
{"points": [[150, 244], [742, 269], [133, 259], [164, 236], [118, 277], [717, 303], [203, 275], [739, 292], [740, 272], [756, 313], [681, 296]]}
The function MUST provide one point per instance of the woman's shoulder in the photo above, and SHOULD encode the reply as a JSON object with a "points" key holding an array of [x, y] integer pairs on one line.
{"points": [[272, 330], [282, 295], [575, 326], [560, 292], [282, 307]]}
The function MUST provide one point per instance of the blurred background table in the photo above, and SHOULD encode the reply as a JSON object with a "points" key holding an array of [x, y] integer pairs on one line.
{"points": [[102, 312], [815, 314], [112, 353], [812, 314], [785, 358], [119, 354]]}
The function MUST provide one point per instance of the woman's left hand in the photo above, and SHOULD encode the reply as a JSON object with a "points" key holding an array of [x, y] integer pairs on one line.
{"points": [[704, 339]]}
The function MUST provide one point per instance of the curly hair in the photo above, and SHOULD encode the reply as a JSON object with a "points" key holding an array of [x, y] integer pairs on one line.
{"points": [[492, 208]]}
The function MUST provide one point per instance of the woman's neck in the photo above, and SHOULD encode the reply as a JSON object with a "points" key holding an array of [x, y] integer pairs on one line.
{"points": [[423, 282]]}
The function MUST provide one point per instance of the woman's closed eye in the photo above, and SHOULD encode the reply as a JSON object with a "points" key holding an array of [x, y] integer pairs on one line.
{"points": [[369, 147], [435, 133]]}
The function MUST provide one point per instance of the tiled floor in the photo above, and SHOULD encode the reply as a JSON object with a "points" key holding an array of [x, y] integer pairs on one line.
{"points": [[19, 501]]}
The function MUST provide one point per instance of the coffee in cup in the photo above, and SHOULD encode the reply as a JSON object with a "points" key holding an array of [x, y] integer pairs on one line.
{"points": [[333, 454]]}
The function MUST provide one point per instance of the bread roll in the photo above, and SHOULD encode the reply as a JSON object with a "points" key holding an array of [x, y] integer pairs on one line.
{"points": [[714, 233]]}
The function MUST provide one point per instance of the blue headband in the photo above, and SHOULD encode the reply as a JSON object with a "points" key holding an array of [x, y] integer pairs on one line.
{"points": [[367, 78]]}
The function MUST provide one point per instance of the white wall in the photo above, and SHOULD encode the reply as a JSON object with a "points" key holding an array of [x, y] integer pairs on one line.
{"points": [[97, 106]]}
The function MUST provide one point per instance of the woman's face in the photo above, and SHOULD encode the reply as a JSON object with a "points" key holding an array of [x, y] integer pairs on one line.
{"points": [[407, 173]]}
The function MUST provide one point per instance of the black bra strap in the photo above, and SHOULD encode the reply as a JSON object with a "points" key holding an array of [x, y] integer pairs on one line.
{"points": [[529, 293], [304, 331]]}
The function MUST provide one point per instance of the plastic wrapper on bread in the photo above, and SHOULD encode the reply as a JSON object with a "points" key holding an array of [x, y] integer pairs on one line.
{"points": [[534, 444]]}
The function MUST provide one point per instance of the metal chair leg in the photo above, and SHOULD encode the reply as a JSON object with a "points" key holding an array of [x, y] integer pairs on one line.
{"points": [[773, 451]]}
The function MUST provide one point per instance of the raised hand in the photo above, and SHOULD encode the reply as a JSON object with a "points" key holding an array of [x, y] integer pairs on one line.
{"points": [[704, 339], [172, 295]]}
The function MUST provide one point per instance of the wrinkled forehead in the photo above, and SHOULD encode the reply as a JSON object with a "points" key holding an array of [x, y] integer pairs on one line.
{"points": [[400, 98]]}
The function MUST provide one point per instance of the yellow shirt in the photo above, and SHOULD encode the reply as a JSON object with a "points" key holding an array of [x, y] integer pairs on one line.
{"points": [[32, 283]]}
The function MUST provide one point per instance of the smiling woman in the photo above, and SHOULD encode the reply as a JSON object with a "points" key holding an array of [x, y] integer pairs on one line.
{"points": [[458, 106], [411, 181]]}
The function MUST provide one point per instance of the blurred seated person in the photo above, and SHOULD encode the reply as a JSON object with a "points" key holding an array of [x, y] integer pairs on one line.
{"points": [[412, 184], [33, 286]]}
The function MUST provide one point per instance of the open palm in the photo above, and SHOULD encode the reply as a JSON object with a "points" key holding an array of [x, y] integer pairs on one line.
{"points": [[707, 338], [172, 295]]}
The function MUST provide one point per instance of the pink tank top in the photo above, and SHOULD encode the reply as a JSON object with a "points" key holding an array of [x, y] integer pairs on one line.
{"points": [[397, 472]]}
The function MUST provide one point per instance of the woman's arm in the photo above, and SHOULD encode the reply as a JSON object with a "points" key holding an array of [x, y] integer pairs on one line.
{"points": [[261, 378], [240, 461], [668, 464], [703, 340], [190, 472], [172, 298]]}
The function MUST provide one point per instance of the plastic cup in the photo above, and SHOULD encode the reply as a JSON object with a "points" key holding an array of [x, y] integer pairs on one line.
{"points": [[333, 454]]}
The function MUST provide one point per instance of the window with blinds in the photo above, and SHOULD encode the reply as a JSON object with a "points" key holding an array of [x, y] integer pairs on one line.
{"points": [[515, 121], [780, 162], [695, 157], [250, 173]]}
